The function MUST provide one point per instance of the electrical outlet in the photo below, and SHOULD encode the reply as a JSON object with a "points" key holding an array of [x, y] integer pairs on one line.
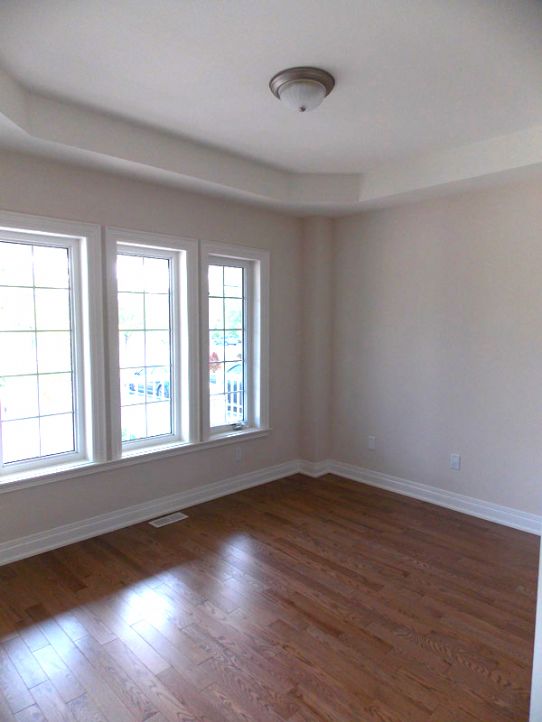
{"points": [[455, 462], [238, 453], [371, 442]]}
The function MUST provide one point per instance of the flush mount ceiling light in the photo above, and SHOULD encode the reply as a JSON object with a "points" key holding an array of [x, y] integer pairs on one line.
{"points": [[302, 89]]}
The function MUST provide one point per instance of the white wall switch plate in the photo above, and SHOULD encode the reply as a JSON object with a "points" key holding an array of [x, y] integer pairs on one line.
{"points": [[371, 442], [455, 462]]}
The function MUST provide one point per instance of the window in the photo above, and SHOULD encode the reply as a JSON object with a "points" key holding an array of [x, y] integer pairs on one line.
{"points": [[234, 287], [227, 344], [44, 335], [37, 366], [147, 382], [153, 384], [187, 344]]}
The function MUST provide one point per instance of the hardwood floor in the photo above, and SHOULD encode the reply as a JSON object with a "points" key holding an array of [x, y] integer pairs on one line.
{"points": [[301, 600]]}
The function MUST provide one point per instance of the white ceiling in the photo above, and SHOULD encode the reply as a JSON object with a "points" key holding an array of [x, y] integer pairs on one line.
{"points": [[414, 77]]}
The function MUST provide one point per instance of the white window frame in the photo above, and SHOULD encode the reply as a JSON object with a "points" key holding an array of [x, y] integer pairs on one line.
{"points": [[85, 245], [183, 256], [96, 313], [256, 264]]}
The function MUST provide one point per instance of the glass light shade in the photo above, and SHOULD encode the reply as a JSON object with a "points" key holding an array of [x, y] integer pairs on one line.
{"points": [[302, 95]]}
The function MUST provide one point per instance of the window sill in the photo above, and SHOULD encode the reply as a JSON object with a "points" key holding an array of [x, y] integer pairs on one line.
{"points": [[51, 474]]}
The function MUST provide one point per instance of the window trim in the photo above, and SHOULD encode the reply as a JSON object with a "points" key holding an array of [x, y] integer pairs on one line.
{"points": [[85, 242], [176, 388], [97, 278], [66, 472], [183, 252], [257, 263]]}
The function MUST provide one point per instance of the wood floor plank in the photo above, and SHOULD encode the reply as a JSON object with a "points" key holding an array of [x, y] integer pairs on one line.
{"points": [[6, 714], [32, 636], [168, 705], [198, 704], [50, 703], [91, 679], [30, 714], [120, 682], [83, 709], [63, 680], [24, 662], [12, 686], [184, 658], [316, 600], [130, 637]]}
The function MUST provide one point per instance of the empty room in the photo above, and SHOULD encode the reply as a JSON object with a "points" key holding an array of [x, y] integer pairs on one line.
{"points": [[270, 360]]}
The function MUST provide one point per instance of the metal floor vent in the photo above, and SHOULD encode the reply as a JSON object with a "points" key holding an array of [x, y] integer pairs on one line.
{"points": [[168, 519]]}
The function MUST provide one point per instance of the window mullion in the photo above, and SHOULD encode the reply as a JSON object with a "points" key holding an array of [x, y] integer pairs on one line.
{"points": [[112, 408]]}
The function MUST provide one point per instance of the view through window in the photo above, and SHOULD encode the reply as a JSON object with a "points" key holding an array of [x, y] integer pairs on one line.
{"points": [[227, 354], [145, 345], [178, 368], [37, 352]]}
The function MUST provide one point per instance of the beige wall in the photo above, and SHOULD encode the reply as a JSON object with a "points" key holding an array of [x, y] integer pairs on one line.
{"points": [[316, 345], [41, 187], [438, 343], [430, 316]]}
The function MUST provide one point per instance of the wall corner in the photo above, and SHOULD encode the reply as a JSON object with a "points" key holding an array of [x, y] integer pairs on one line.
{"points": [[316, 348]]}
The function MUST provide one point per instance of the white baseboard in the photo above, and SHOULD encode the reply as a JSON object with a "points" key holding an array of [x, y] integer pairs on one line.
{"points": [[59, 536], [314, 468], [450, 500]]}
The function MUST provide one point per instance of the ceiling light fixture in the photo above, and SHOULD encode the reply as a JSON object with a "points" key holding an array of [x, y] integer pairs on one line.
{"points": [[302, 88]]}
